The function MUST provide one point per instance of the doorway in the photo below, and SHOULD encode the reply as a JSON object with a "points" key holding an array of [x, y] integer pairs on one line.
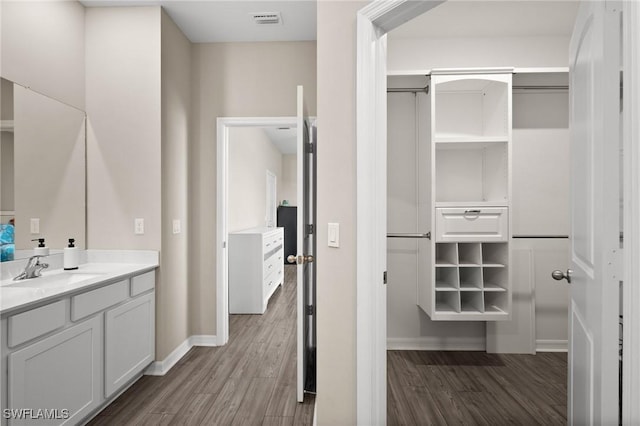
{"points": [[371, 76]]}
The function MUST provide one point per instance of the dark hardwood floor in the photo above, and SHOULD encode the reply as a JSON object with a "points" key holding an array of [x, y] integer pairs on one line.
{"points": [[249, 381], [476, 388]]}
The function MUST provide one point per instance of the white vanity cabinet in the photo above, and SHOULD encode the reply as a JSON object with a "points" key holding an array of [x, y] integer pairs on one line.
{"points": [[256, 268], [61, 373], [64, 359], [129, 340], [468, 201]]}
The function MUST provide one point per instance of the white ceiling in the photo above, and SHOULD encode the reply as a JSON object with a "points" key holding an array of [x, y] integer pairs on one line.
{"points": [[283, 138], [208, 21], [458, 18]]}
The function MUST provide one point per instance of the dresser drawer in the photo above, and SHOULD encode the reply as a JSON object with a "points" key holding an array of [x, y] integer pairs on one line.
{"points": [[36, 322], [472, 224], [272, 240]]}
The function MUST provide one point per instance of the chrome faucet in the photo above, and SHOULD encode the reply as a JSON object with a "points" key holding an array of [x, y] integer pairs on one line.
{"points": [[33, 269]]}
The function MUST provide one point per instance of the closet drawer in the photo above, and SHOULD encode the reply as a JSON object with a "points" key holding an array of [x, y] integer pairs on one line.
{"points": [[271, 264], [472, 224]]}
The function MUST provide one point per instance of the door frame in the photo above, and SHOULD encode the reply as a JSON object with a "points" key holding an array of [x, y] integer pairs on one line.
{"points": [[373, 22], [224, 124], [631, 183]]}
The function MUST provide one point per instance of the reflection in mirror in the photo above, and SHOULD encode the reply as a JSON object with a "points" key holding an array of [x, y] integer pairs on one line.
{"points": [[43, 171]]}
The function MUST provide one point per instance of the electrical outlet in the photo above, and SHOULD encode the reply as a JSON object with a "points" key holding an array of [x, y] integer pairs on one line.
{"points": [[35, 225], [139, 226], [176, 226]]}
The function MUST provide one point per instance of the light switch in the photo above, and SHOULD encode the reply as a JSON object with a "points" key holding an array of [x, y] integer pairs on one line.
{"points": [[35, 225], [139, 226], [334, 235], [177, 228]]}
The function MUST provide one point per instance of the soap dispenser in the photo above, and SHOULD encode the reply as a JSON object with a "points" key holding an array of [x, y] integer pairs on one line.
{"points": [[41, 249], [71, 257]]}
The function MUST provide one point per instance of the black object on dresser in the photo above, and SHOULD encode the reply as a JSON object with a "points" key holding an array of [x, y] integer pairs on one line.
{"points": [[288, 219]]}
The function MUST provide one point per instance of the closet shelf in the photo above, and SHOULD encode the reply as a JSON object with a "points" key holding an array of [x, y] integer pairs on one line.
{"points": [[444, 139]]}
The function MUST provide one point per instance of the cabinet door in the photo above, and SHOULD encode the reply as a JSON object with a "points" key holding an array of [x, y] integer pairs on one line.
{"points": [[129, 341], [60, 374]]}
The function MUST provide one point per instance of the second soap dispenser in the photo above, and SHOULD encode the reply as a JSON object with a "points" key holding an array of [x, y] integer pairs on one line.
{"points": [[71, 257]]}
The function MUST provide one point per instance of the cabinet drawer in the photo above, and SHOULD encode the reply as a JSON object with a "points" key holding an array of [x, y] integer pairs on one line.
{"points": [[142, 283], [36, 322], [273, 240], [472, 224], [94, 301], [273, 263]]}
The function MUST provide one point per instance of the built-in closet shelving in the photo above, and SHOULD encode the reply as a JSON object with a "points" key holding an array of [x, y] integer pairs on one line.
{"points": [[469, 197]]}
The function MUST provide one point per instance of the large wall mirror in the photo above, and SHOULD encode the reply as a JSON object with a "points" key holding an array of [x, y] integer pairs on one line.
{"points": [[42, 172]]}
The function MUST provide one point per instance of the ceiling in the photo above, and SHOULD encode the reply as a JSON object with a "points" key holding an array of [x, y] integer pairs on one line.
{"points": [[518, 18], [283, 138], [231, 21]]}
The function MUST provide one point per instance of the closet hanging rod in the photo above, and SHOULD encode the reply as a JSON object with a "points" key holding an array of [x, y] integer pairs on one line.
{"points": [[523, 87], [409, 235], [408, 89]]}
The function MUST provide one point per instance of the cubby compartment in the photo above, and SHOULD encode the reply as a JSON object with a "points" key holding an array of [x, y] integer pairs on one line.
{"points": [[447, 302], [470, 279], [469, 254], [472, 172], [495, 279], [447, 279], [446, 254], [496, 302], [472, 302], [476, 107], [495, 254]]}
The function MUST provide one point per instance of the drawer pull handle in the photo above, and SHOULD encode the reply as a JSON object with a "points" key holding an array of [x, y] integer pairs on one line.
{"points": [[268, 244], [472, 212], [270, 266]]}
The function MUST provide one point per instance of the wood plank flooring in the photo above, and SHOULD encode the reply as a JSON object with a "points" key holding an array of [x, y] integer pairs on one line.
{"points": [[476, 388], [249, 381]]}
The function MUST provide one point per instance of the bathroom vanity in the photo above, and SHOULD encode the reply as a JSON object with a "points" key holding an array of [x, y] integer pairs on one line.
{"points": [[72, 341]]}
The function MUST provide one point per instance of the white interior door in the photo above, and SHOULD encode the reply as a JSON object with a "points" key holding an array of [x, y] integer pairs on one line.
{"points": [[594, 308], [306, 251]]}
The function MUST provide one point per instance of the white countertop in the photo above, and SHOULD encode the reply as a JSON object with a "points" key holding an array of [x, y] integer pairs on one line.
{"points": [[57, 283]]}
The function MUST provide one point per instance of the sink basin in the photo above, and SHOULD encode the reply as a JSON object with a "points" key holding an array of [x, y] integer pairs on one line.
{"points": [[54, 280]]}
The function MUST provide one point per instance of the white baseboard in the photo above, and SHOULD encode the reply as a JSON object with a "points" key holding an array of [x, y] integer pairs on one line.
{"points": [[543, 345], [203, 340], [160, 368], [436, 343]]}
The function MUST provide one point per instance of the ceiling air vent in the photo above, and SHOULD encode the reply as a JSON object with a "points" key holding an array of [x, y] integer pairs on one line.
{"points": [[267, 18]]}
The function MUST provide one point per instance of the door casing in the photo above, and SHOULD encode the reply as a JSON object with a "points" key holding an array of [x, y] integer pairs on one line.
{"points": [[373, 22]]}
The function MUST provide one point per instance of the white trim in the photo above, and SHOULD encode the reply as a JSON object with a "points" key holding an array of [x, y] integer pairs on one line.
{"points": [[203, 340], [315, 412], [631, 185], [540, 70], [436, 344], [222, 198], [546, 345], [373, 21], [160, 368]]}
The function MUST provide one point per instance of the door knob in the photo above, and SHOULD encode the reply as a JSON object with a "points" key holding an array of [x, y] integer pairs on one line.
{"points": [[299, 259], [558, 275]]}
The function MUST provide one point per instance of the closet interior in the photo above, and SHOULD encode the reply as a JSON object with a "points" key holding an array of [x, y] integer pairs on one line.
{"points": [[468, 160]]}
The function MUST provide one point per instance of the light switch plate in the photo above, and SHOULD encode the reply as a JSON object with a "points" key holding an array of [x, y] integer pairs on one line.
{"points": [[333, 239], [177, 228], [138, 226], [35, 225]]}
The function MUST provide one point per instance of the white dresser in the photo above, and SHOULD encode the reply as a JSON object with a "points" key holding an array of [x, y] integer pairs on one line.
{"points": [[256, 268]]}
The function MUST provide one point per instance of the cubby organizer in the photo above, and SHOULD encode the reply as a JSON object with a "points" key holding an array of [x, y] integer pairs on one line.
{"points": [[469, 198], [469, 277]]}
